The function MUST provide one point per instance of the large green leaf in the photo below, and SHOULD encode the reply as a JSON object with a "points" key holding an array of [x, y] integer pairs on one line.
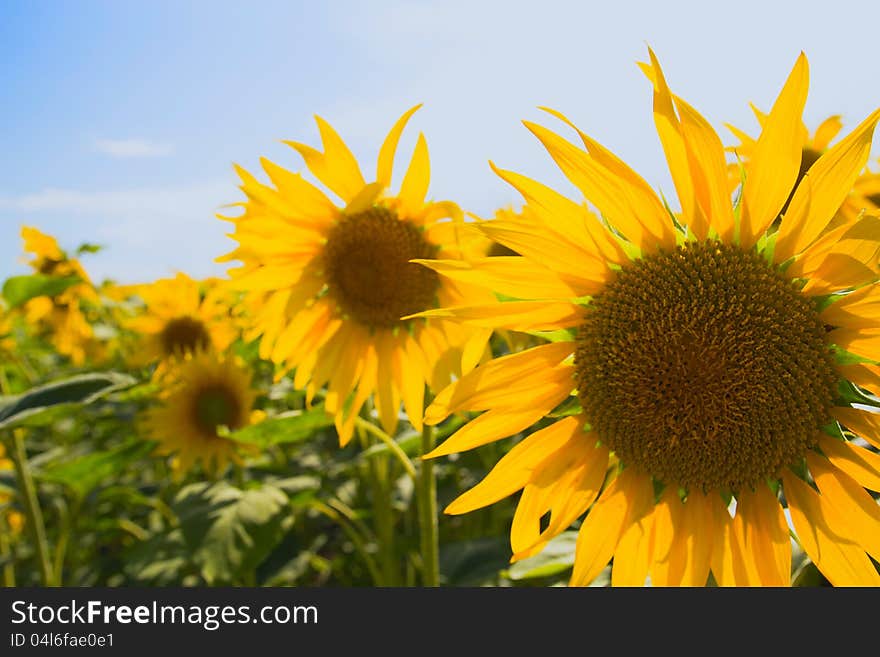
{"points": [[82, 389], [21, 289], [292, 427], [229, 531], [83, 473]]}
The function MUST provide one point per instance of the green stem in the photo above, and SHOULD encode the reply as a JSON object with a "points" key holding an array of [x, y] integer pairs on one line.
{"points": [[384, 516], [32, 512], [354, 536], [67, 525], [392, 445], [6, 552], [427, 499]]}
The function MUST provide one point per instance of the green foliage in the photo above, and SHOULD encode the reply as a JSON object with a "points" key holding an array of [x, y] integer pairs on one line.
{"points": [[18, 290], [229, 531], [84, 473], [82, 389], [292, 427]]}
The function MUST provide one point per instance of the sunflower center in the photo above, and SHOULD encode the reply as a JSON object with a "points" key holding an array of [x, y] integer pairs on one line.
{"points": [[366, 260], [184, 335], [704, 367], [216, 406]]}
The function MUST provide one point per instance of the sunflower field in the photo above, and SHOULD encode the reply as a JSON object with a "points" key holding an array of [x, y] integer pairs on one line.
{"points": [[620, 388]]}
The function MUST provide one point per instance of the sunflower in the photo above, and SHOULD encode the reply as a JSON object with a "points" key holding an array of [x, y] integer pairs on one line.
{"points": [[201, 393], [327, 285], [62, 316], [865, 193], [180, 316], [712, 362]]}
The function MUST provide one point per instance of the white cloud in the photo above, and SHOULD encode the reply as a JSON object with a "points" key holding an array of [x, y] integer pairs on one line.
{"points": [[129, 148]]}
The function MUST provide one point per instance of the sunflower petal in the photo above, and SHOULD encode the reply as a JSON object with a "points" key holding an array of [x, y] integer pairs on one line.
{"points": [[859, 463], [512, 472], [766, 544], [336, 167], [831, 179], [773, 168], [626, 499], [842, 561], [385, 163], [864, 423], [857, 509], [514, 315], [417, 178]]}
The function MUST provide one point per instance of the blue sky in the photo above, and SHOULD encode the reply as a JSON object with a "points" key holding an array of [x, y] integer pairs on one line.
{"points": [[121, 120]]}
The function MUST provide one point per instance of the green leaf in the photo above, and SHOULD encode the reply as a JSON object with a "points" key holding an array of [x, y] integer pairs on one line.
{"points": [[21, 289], [87, 247], [82, 389], [555, 558], [84, 473], [230, 531], [474, 562], [292, 427], [851, 394]]}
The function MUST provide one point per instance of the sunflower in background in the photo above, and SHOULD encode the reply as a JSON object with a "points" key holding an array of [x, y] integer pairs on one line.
{"points": [[328, 284], [180, 316], [13, 520], [62, 316], [712, 360], [865, 193], [202, 395]]}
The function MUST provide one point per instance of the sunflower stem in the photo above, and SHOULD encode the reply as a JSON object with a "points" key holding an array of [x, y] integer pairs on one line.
{"points": [[428, 528], [6, 552], [32, 511]]}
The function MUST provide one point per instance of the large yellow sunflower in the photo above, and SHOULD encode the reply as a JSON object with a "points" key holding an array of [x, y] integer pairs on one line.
{"points": [[62, 316], [181, 315], [328, 284], [201, 392], [710, 360], [865, 193]]}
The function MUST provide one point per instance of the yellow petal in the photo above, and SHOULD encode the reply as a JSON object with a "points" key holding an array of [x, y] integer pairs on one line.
{"points": [[863, 375], [513, 276], [634, 553], [843, 562], [565, 487], [576, 267], [408, 368], [514, 469], [683, 540], [859, 513], [626, 499], [514, 315], [827, 130], [830, 180], [641, 197], [863, 423], [859, 309], [417, 178], [859, 463], [497, 374], [385, 164], [861, 342], [387, 395], [599, 185], [669, 131], [838, 272], [336, 167], [766, 543], [774, 165], [708, 170], [305, 198]]}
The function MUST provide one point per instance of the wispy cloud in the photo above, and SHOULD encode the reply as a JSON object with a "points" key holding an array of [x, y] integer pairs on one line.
{"points": [[130, 148], [148, 231]]}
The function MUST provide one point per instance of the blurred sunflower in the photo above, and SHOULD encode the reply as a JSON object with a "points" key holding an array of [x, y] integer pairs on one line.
{"points": [[865, 193], [708, 360], [180, 316], [328, 285], [61, 317], [201, 393]]}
